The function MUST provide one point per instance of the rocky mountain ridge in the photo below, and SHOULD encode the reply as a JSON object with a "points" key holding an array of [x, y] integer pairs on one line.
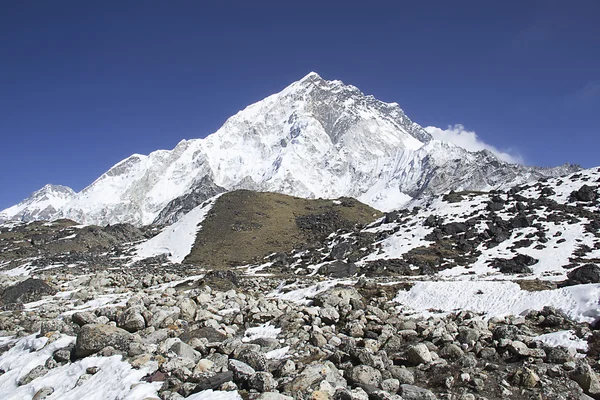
{"points": [[314, 139]]}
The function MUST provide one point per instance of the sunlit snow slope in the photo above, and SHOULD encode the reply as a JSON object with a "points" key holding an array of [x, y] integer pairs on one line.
{"points": [[316, 138]]}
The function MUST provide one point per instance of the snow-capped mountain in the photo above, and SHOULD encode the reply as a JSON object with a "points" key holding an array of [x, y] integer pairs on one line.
{"points": [[42, 204], [316, 138]]}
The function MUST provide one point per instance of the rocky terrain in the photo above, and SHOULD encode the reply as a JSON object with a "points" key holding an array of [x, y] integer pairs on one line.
{"points": [[475, 295]]}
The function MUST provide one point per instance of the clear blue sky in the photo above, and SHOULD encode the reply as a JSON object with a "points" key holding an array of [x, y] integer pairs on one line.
{"points": [[85, 84]]}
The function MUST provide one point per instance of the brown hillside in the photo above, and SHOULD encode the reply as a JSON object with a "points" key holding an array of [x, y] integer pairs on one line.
{"points": [[246, 226]]}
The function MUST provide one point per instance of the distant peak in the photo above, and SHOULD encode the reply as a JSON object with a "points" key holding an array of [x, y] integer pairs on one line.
{"points": [[311, 76], [54, 188]]}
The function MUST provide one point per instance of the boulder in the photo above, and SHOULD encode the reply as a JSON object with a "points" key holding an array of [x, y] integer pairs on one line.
{"points": [[588, 273], [26, 291], [365, 375], [94, 337], [418, 354]]}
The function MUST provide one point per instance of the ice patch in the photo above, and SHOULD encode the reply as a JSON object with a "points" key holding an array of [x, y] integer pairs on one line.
{"points": [[497, 299], [566, 339], [261, 331]]}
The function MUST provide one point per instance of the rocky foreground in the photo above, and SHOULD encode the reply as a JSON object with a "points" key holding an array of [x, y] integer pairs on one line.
{"points": [[138, 334]]}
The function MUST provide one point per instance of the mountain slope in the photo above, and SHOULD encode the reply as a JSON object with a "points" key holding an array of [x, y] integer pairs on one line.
{"points": [[316, 138], [42, 204]]}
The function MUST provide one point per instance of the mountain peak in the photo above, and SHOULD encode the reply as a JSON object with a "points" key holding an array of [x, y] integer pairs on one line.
{"points": [[311, 76], [315, 138]]}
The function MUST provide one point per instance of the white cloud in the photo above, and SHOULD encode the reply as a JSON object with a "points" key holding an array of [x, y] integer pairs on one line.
{"points": [[469, 140]]}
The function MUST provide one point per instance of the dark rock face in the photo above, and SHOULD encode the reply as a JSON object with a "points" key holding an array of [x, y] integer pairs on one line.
{"points": [[585, 194], [589, 273], [338, 269], [517, 265], [27, 291], [202, 191]]}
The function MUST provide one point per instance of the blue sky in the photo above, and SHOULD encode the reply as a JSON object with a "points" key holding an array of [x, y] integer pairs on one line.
{"points": [[85, 84]]}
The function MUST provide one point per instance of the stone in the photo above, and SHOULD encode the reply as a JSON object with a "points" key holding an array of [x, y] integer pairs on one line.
{"points": [[43, 393], [35, 373], [132, 319], [588, 273], [210, 334], [241, 371], [188, 308], [94, 337], [262, 381], [84, 318], [411, 392], [418, 354], [315, 373], [185, 350], [587, 379], [391, 385], [402, 374], [273, 396], [337, 296], [26, 291], [519, 348], [451, 352], [365, 375]]}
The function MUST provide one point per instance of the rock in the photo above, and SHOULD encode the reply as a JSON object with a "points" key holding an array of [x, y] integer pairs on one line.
{"points": [[35, 373], [521, 349], [588, 273], [403, 375], [215, 381], [52, 325], [273, 396], [587, 379], [210, 334], [585, 194], [26, 291], [517, 265], [241, 371], [43, 393], [94, 337], [84, 318], [329, 315], [185, 350], [315, 373], [451, 352], [411, 392], [337, 296], [418, 354], [188, 308], [390, 385], [365, 375], [338, 269], [132, 319], [262, 382]]}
